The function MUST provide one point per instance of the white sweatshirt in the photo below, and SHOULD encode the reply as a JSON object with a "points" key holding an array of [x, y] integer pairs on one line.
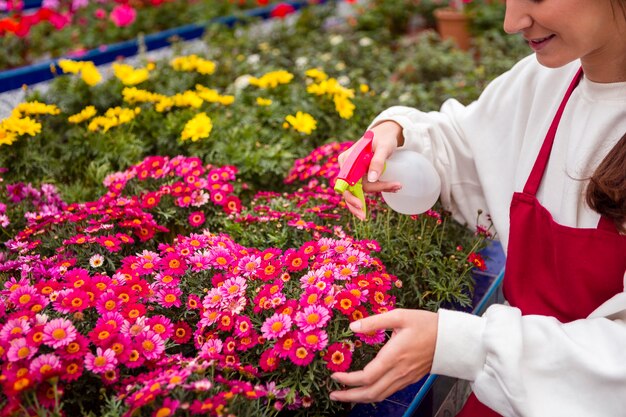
{"points": [[531, 366]]}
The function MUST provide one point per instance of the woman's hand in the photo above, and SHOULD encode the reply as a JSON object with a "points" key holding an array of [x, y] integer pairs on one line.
{"points": [[405, 358], [387, 137]]}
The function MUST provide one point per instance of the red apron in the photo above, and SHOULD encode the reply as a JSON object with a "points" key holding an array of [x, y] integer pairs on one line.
{"points": [[551, 269]]}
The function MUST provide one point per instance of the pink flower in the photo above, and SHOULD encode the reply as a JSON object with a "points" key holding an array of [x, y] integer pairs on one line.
{"points": [[20, 349], [269, 360], [338, 357], [162, 326], [233, 287], [101, 362], [169, 297], [44, 366], [314, 340], [301, 355], [13, 329], [123, 15], [372, 338], [58, 332], [211, 349], [151, 345], [276, 326], [312, 317], [100, 14], [196, 219], [168, 408]]}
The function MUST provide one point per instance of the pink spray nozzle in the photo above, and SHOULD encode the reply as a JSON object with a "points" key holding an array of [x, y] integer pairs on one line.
{"points": [[358, 161]]}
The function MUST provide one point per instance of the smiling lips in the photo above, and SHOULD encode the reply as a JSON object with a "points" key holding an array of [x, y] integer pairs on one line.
{"points": [[539, 43]]}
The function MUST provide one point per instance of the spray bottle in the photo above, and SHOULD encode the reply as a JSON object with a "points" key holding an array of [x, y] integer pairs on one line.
{"points": [[421, 184]]}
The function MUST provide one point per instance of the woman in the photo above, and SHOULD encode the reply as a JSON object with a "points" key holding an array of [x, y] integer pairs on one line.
{"points": [[543, 150]]}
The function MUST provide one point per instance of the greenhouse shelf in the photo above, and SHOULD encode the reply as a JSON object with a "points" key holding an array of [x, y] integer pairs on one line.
{"points": [[425, 397], [32, 74]]}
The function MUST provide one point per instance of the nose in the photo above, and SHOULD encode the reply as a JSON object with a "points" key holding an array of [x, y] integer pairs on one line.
{"points": [[517, 17]]}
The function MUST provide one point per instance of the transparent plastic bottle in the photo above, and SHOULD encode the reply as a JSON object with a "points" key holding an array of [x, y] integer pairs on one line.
{"points": [[421, 184]]}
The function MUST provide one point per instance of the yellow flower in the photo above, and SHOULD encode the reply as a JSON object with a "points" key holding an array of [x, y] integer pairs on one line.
{"points": [[302, 122], [134, 95], [316, 74], [187, 99], [70, 67], [164, 104], [364, 88], [344, 107], [129, 75], [272, 79], [89, 73], [263, 101], [85, 114], [227, 100], [35, 107], [21, 125], [114, 116], [6, 137], [197, 128], [193, 63]]}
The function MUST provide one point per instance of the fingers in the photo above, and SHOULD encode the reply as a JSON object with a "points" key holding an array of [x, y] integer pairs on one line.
{"points": [[382, 186], [404, 359], [390, 320], [354, 204]]}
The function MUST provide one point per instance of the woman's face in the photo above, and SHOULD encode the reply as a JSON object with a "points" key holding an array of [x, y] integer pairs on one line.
{"points": [[561, 31]]}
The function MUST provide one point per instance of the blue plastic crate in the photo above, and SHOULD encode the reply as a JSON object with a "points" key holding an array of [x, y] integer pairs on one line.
{"points": [[423, 398], [32, 74]]}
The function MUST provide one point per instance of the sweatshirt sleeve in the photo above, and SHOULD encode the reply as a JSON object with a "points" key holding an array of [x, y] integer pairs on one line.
{"points": [[440, 137], [535, 366], [481, 150]]}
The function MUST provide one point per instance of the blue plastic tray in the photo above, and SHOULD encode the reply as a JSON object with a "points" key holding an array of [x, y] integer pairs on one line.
{"points": [[417, 400], [32, 74]]}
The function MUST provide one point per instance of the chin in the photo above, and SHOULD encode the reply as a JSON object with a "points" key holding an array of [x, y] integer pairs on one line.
{"points": [[552, 62]]}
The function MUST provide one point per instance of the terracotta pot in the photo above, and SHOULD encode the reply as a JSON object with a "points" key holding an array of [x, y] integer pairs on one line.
{"points": [[453, 24]]}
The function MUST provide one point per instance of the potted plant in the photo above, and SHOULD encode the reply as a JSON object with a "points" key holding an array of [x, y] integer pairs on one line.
{"points": [[453, 23]]}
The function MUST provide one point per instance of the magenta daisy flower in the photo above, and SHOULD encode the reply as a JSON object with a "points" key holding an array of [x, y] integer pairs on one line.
{"points": [[220, 258], [243, 325], [20, 349], [338, 357], [211, 349], [196, 219], [312, 317], [168, 408], [301, 355], [44, 366], [269, 360], [173, 264], [110, 243], [249, 265], [58, 332], [233, 287], [314, 340], [151, 345], [102, 361], [162, 326], [199, 261], [13, 329], [372, 338], [193, 302], [169, 297], [276, 326]]}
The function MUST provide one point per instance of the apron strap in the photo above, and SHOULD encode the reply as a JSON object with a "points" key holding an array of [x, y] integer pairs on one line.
{"points": [[534, 179]]}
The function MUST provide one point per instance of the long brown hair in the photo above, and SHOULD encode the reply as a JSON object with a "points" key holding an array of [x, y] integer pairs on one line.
{"points": [[606, 192]]}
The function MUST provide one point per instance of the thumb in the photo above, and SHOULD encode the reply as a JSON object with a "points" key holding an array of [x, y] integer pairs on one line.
{"points": [[390, 320], [377, 166]]}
